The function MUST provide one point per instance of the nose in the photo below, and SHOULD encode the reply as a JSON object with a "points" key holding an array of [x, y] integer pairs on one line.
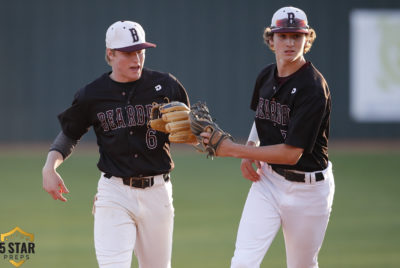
{"points": [[137, 58], [290, 41], [134, 57]]}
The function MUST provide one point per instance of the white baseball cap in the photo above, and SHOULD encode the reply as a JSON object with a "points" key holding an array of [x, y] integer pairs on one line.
{"points": [[126, 36], [289, 20]]}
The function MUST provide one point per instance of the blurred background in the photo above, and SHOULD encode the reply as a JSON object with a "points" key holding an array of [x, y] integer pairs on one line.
{"points": [[51, 48]]}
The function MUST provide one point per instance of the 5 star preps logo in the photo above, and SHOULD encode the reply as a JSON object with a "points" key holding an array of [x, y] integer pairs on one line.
{"points": [[16, 246]]}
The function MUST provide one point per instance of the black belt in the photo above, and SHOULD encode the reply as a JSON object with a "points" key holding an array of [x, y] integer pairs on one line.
{"points": [[138, 182], [298, 177]]}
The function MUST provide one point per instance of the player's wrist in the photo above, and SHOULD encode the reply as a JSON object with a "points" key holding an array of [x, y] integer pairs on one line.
{"points": [[251, 143], [48, 169], [225, 148]]}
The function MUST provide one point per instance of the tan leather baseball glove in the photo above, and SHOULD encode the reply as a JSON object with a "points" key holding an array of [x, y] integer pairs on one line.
{"points": [[172, 118]]}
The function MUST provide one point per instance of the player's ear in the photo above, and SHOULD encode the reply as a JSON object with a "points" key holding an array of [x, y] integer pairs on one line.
{"points": [[110, 54], [271, 41]]}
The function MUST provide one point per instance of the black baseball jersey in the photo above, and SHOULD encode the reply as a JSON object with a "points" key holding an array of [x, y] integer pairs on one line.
{"points": [[118, 113], [294, 110]]}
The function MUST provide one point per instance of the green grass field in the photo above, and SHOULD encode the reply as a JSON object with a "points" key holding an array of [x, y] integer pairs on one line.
{"points": [[364, 230]]}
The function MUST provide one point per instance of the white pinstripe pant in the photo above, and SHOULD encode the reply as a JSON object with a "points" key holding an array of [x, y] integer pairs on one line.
{"points": [[302, 209], [130, 219]]}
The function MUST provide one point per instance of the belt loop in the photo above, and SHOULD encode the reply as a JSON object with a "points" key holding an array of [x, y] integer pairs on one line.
{"points": [[312, 178], [307, 178], [166, 177], [130, 181]]}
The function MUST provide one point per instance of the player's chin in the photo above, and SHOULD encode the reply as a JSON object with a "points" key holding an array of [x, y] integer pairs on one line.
{"points": [[289, 56], [135, 75]]}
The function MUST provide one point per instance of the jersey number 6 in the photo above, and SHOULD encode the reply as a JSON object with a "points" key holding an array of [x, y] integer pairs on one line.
{"points": [[151, 139]]}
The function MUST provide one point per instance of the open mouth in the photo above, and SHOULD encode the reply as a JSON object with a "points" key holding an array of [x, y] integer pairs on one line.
{"points": [[135, 69]]}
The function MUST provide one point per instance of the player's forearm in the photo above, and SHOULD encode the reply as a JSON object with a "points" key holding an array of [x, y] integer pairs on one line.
{"points": [[53, 161], [273, 154]]}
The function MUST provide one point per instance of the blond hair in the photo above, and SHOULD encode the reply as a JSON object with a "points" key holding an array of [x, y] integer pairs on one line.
{"points": [[310, 36]]}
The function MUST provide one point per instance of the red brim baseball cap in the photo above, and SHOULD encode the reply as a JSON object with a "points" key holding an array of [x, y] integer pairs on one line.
{"points": [[289, 20], [127, 36], [136, 47]]}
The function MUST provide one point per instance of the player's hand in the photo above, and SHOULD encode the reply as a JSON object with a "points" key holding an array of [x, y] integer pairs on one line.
{"points": [[222, 149], [248, 170], [54, 185]]}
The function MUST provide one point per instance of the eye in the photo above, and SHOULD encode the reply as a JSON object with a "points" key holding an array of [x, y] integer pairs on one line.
{"points": [[125, 54], [140, 52]]}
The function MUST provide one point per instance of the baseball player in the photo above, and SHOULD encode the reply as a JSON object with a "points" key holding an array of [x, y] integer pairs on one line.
{"points": [[293, 186], [133, 208]]}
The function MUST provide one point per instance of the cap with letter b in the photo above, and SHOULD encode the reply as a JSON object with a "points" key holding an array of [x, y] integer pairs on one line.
{"points": [[289, 20], [126, 36]]}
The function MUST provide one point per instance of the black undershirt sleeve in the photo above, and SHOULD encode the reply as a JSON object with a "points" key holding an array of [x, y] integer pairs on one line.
{"points": [[63, 144]]}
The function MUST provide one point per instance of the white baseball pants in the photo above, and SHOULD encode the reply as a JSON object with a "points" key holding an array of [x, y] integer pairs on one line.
{"points": [[128, 219], [302, 209]]}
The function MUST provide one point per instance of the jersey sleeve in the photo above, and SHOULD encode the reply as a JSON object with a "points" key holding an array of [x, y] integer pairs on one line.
{"points": [[75, 120], [183, 96], [305, 122], [256, 91], [254, 99], [180, 91]]}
